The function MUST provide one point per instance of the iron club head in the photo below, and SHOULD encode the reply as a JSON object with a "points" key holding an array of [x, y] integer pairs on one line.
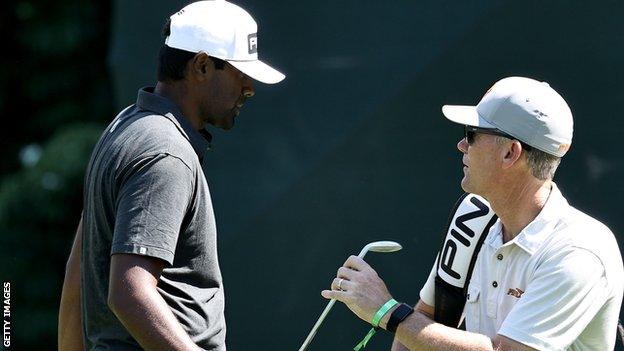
{"points": [[377, 246], [381, 246]]}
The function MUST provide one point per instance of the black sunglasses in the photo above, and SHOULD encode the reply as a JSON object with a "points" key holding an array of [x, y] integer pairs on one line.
{"points": [[471, 131]]}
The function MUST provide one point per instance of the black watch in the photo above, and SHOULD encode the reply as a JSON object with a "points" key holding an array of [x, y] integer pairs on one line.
{"points": [[398, 316]]}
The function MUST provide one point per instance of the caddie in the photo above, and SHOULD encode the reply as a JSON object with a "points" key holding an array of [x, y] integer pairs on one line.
{"points": [[143, 272], [548, 276]]}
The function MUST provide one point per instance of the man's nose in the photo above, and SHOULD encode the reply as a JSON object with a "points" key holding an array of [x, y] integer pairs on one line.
{"points": [[248, 88], [462, 145]]}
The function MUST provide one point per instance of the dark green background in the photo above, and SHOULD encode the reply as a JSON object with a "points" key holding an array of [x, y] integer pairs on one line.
{"points": [[350, 148]]}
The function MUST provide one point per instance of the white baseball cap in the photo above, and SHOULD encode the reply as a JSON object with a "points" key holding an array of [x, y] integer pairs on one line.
{"points": [[222, 30], [528, 110]]}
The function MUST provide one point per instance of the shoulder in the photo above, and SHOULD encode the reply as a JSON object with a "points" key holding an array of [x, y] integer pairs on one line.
{"points": [[581, 230], [587, 241], [151, 134]]}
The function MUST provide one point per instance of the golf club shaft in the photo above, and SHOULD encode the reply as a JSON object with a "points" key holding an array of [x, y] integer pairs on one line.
{"points": [[320, 320], [329, 306]]}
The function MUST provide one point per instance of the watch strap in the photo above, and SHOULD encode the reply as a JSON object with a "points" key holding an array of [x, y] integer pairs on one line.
{"points": [[398, 316]]}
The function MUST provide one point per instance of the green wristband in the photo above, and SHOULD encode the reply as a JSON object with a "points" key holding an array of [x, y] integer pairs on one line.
{"points": [[375, 322], [382, 312], [362, 344]]}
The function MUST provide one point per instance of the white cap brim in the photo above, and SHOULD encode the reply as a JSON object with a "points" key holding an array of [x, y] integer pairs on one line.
{"points": [[259, 71], [466, 115]]}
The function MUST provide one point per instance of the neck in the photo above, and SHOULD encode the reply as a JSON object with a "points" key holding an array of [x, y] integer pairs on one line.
{"points": [[178, 93], [518, 203]]}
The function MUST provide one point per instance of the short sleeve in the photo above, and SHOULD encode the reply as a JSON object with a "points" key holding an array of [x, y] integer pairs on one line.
{"points": [[151, 205], [565, 294], [427, 293]]}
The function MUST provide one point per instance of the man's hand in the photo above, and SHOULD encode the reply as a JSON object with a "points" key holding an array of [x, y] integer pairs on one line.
{"points": [[361, 289], [133, 297], [364, 293]]}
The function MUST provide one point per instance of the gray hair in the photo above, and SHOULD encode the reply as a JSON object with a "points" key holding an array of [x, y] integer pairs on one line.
{"points": [[542, 165]]}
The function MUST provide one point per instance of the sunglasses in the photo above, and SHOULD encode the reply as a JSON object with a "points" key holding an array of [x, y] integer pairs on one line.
{"points": [[471, 131]]}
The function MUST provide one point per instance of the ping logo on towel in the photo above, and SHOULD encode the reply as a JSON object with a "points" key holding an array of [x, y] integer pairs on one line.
{"points": [[471, 221], [252, 41]]}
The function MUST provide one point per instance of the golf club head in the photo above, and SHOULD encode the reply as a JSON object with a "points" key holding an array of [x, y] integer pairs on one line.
{"points": [[381, 246], [377, 246]]}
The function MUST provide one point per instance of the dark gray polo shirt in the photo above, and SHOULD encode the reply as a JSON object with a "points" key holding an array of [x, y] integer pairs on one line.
{"points": [[146, 194]]}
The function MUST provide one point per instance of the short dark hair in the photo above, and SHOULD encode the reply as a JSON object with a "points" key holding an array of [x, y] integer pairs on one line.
{"points": [[542, 165], [172, 62]]}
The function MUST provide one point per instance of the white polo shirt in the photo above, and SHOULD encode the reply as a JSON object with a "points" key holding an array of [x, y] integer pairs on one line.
{"points": [[558, 285]]}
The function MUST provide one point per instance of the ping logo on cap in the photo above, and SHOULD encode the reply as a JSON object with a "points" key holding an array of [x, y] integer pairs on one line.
{"points": [[252, 42]]}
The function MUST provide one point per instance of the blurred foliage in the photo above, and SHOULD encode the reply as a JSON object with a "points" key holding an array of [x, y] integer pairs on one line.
{"points": [[54, 92], [39, 210], [53, 70]]}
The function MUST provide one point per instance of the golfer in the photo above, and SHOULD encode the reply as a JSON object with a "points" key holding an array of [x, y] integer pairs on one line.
{"points": [[548, 277], [143, 272]]}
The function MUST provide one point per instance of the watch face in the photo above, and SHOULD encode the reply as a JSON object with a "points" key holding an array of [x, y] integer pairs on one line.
{"points": [[398, 316]]}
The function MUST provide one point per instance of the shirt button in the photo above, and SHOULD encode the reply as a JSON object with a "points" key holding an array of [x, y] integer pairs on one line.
{"points": [[495, 284], [499, 257]]}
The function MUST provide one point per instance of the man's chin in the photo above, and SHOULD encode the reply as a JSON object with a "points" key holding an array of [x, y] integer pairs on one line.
{"points": [[229, 121], [465, 185], [469, 188], [226, 123], [226, 126]]}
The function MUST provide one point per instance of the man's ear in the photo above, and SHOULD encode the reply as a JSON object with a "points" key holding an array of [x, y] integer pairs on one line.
{"points": [[200, 66], [511, 153]]}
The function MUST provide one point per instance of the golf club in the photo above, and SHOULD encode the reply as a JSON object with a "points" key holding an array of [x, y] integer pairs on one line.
{"points": [[377, 246]]}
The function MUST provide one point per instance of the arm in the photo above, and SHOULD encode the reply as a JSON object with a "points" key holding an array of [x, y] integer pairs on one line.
{"points": [[422, 308], [364, 292], [70, 335], [133, 297], [152, 203], [419, 332]]}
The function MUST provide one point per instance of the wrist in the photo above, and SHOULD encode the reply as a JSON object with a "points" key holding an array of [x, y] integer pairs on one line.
{"points": [[383, 311], [400, 313], [384, 320], [376, 320]]}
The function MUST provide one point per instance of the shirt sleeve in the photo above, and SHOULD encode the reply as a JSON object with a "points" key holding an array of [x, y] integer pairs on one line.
{"points": [[151, 205], [427, 293], [567, 291]]}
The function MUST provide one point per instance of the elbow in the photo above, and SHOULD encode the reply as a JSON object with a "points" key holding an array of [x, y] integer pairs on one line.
{"points": [[116, 300], [123, 298], [111, 301], [131, 287]]}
